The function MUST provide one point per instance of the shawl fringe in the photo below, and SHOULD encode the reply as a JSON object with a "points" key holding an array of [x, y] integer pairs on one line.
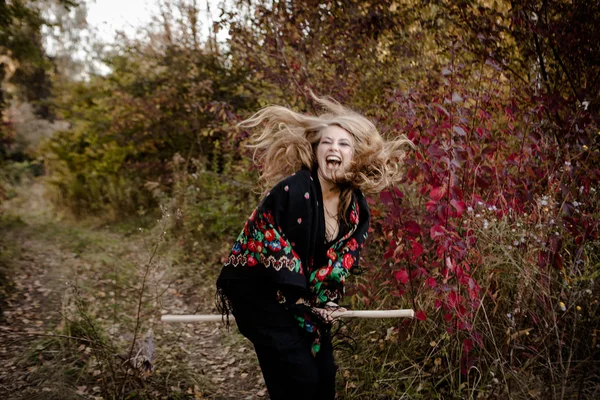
{"points": [[224, 306]]}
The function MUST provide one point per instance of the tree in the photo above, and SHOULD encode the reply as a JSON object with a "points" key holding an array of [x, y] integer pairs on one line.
{"points": [[22, 53]]}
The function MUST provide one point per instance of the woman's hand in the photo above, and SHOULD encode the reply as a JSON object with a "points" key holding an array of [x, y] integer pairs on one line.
{"points": [[327, 312], [330, 305]]}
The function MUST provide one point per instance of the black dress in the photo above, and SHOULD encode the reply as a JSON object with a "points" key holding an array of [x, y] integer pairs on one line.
{"points": [[279, 257]]}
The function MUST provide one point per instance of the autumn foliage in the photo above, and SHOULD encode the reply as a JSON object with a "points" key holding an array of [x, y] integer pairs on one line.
{"points": [[493, 236]]}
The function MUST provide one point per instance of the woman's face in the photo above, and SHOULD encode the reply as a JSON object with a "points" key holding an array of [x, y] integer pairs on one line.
{"points": [[334, 152]]}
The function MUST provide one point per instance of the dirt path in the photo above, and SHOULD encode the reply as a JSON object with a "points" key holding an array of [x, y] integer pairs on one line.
{"points": [[54, 263]]}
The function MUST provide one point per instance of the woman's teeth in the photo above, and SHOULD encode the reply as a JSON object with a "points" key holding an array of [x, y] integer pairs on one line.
{"points": [[333, 161]]}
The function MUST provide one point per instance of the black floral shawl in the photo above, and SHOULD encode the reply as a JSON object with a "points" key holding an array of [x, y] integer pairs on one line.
{"points": [[278, 244]]}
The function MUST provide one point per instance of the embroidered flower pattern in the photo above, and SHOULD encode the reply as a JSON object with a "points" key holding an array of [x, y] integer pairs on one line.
{"points": [[260, 242], [327, 282]]}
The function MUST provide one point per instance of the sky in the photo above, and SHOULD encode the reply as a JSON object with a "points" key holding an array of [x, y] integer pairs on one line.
{"points": [[108, 16]]}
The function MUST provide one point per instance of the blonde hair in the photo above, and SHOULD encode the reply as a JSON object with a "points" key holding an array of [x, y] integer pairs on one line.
{"points": [[289, 139]]}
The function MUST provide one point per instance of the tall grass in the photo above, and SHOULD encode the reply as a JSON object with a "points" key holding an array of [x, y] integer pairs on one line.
{"points": [[533, 335], [105, 344]]}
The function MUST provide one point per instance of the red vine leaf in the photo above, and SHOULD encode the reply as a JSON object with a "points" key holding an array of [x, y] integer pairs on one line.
{"points": [[420, 315], [401, 276]]}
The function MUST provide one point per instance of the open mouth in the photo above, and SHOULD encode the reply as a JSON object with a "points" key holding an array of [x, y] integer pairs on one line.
{"points": [[333, 161]]}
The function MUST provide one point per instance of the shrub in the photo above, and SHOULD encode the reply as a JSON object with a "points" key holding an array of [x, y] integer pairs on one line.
{"points": [[492, 241]]}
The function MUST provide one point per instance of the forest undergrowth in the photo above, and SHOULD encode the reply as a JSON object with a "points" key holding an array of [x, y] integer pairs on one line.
{"points": [[82, 304], [78, 293]]}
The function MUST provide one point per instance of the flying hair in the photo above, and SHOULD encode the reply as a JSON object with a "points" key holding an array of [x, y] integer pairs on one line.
{"points": [[288, 140]]}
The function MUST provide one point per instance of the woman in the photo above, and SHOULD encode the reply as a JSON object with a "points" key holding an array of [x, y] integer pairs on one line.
{"points": [[287, 268]]}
